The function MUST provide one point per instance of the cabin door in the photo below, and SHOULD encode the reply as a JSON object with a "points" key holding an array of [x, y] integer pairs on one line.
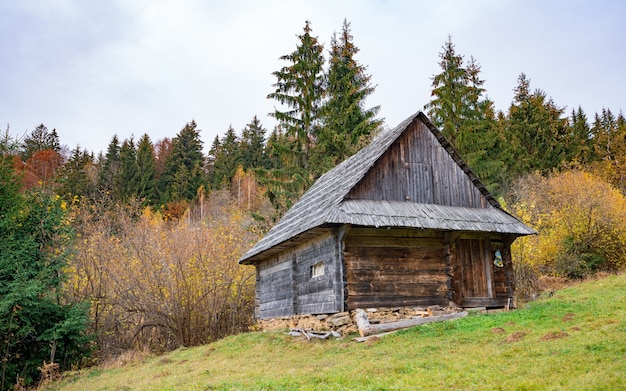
{"points": [[474, 257]]}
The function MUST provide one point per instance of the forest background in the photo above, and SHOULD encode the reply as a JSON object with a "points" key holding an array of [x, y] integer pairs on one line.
{"points": [[137, 248]]}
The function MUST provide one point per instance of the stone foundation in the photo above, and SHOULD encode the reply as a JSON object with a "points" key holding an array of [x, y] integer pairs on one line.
{"points": [[344, 323]]}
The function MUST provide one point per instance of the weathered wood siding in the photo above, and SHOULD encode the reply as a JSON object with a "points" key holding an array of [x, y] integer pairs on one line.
{"points": [[417, 168], [389, 268], [477, 282], [286, 287]]}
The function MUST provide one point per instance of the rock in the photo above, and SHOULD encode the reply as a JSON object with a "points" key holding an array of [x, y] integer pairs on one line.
{"points": [[337, 322]]}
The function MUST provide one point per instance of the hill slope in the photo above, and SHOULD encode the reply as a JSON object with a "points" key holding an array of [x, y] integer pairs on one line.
{"points": [[575, 340]]}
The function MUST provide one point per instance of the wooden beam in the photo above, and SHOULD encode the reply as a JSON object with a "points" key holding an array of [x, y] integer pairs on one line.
{"points": [[365, 328]]}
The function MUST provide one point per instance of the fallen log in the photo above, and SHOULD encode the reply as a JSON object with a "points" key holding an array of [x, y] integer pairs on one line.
{"points": [[366, 328]]}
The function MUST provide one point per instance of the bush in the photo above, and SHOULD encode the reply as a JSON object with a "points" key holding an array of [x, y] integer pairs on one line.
{"points": [[157, 284], [581, 222]]}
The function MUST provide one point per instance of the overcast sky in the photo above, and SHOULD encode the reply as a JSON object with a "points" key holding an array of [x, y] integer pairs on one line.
{"points": [[92, 69]]}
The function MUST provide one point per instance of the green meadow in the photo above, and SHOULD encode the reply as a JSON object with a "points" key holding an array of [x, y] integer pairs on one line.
{"points": [[573, 340]]}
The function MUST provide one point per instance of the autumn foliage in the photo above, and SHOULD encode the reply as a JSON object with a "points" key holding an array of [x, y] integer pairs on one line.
{"points": [[581, 221], [157, 284]]}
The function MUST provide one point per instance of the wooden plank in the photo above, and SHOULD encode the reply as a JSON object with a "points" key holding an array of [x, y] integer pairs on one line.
{"points": [[391, 242], [394, 252], [371, 262], [395, 232], [397, 278]]}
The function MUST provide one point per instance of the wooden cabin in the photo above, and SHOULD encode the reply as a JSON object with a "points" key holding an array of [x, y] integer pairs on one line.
{"points": [[404, 222]]}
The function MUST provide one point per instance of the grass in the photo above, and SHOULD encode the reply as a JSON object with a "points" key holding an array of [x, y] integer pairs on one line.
{"points": [[575, 340]]}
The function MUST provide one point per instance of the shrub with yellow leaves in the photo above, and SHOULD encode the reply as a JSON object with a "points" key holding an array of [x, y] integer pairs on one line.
{"points": [[161, 284], [581, 221]]}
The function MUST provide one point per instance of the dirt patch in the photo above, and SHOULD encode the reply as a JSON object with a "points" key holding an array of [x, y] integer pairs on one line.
{"points": [[372, 340], [550, 283], [517, 336], [510, 324], [555, 335], [575, 328], [569, 316], [498, 330]]}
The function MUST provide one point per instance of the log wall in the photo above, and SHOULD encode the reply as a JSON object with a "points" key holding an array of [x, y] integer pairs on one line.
{"points": [[285, 285], [395, 268]]}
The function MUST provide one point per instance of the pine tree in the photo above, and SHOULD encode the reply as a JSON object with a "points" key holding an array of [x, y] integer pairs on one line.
{"points": [[253, 145], [467, 118], [183, 166], [536, 130], [299, 87], [448, 108], [346, 124], [580, 143], [146, 171], [211, 157], [227, 158], [126, 179], [273, 151], [76, 178], [40, 139], [109, 167], [609, 148]]}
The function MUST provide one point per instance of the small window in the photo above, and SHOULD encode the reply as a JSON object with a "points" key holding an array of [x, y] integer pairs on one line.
{"points": [[317, 270]]}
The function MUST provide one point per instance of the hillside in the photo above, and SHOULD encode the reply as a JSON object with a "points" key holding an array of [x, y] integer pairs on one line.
{"points": [[574, 340]]}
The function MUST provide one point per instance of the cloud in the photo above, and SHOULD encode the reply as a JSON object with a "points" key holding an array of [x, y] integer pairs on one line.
{"points": [[93, 69]]}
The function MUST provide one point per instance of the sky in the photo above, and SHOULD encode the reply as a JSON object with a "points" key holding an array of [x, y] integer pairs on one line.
{"points": [[98, 68]]}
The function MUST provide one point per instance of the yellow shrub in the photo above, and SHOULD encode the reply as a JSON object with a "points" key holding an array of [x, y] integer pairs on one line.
{"points": [[581, 222]]}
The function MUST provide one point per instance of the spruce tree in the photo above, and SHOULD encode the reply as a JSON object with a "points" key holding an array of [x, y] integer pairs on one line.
{"points": [[609, 148], [536, 130], [284, 184], [346, 124], [299, 88], [211, 157], [467, 118], [146, 171], [40, 139], [227, 157], [580, 142], [126, 179], [448, 108], [253, 145], [183, 166], [76, 178], [109, 167]]}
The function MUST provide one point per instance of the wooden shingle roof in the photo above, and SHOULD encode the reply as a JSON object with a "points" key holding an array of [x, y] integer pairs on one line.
{"points": [[325, 202]]}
